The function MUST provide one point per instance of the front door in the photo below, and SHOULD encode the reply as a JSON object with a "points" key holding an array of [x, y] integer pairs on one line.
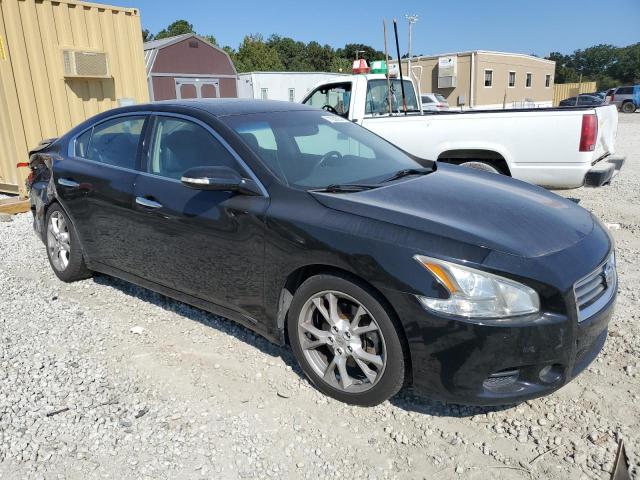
{"points": [[95, 185], [208, 244]]}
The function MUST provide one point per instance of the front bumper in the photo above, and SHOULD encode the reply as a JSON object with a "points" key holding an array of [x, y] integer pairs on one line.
{"points": [[490, 363], [603, 172]]}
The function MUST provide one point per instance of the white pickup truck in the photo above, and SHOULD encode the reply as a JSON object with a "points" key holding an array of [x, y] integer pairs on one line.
{"points": [[564, 147]]}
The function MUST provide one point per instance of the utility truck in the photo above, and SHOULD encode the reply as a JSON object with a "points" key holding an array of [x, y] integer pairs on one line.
{"points": [[553, 147]]}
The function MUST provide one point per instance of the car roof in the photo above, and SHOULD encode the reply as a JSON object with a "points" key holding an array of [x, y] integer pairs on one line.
{"points": [[220, 107]]}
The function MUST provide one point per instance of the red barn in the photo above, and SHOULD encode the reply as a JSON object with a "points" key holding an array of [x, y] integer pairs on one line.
{"points": [[187, 66]]}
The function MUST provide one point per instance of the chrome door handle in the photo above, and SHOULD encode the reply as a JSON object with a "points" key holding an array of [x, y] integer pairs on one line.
{"points": [[145, 202], [68, 183]]}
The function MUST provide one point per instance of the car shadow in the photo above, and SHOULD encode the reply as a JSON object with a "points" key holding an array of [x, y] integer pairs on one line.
{"points": [[406, 399]]}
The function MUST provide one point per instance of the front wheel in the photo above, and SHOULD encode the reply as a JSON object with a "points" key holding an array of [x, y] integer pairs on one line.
{"points": [[63, 247], [345, 341], [628, 107]]}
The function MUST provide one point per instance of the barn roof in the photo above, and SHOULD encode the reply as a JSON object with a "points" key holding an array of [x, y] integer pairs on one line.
{"points": [[151, 48]]}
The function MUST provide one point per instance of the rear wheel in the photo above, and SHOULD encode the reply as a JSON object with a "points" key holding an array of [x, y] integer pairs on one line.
{"points": [[63, 247], [345, 341], [479, 165], [628, 107]]}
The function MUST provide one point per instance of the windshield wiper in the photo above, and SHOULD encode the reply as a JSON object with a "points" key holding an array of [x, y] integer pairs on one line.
{"points": [[346, 188], [406, 172]]}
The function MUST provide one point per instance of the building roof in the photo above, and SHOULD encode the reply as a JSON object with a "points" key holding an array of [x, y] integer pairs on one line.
{"points": [[469, 52], [151, 48]]}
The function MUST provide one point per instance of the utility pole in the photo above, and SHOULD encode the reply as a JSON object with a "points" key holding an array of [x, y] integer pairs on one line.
{"points": [[411, 19]]}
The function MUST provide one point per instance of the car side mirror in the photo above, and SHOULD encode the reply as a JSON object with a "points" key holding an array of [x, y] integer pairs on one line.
{"points": [[219, 178]]}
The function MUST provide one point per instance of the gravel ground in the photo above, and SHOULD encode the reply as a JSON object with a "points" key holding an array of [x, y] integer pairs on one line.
{"points": [[102, 379]]}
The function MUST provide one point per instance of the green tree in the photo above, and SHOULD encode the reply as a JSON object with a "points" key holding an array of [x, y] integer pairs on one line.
{"points": [[147, 36], [255, 55], [292, 54], [211, 39], [179, 27]]}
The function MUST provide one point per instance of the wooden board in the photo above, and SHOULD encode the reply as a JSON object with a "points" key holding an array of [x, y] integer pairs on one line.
{"points": [[14, 205]]}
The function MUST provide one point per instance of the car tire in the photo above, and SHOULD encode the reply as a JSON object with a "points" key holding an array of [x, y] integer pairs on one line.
{"points": [[628, 107], [478, 165], [363, 342], [63, 246]]}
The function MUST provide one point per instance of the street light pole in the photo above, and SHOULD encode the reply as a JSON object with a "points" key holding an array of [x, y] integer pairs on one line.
{"points": [[411, 19]]}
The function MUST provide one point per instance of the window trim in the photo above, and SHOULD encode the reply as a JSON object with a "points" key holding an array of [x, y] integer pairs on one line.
{"points": [[484, 80], [528, 76], [142, 163], [547, 80], [515, 78]]}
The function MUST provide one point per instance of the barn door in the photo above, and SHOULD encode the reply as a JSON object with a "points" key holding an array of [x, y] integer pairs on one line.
{"points": [[197, 88]]}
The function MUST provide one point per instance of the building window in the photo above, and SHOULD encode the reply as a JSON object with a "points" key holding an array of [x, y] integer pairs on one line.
{"points": [[529, 80], [292, 94], [488, 78], [547, 80], [264, 93], [512, 79]]}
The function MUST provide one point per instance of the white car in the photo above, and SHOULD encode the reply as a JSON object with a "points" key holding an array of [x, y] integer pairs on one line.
{"points": [[434, 102], [552, 147]]}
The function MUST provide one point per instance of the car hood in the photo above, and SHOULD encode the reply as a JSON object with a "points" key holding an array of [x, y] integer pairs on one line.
{"points": [[479, 208]]}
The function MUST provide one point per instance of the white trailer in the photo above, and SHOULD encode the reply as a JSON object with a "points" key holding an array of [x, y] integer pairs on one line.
{"points": [[286, 86]]}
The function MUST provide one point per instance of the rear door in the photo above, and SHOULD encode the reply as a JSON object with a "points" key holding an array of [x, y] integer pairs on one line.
{"points": [[208, 244], [95, 185]]}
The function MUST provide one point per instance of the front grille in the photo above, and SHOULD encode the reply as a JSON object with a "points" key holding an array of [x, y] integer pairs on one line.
{"points": [[598, 285]]}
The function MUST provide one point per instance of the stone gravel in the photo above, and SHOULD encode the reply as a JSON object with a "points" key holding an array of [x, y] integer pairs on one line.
{"points": [[103, 379]]}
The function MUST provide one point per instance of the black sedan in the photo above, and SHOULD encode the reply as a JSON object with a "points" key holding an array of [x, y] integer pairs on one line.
{"points": [[582, 100], [379, 269]]}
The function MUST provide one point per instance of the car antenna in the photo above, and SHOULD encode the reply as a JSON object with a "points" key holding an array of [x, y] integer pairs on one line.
{"points": [[404, 99], [386, 62]]}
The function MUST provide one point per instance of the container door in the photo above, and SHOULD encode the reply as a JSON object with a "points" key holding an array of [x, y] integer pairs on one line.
{"points": [[186, 89]]}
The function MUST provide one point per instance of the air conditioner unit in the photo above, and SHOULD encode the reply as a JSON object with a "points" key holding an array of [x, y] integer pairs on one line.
{"points": [[85, 64], [447, 82]]}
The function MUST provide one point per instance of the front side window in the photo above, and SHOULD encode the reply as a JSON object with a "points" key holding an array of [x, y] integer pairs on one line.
{"points": [[488, 78], [178, 145], [529, 80], [114, 142], [512, 79], [334, 98], [315, 149], [380, 92]]}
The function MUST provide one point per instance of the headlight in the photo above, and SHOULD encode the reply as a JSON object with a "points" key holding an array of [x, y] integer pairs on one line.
{"points": [[474, 293]]}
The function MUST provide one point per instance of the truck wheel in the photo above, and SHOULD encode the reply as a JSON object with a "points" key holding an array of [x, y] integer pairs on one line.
{"points": [[478, 165], [628, 107]]}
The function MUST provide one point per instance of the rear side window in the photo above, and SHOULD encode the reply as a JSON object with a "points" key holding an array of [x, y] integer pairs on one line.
{"points": [[114, 142], [440, 98], [624, 91], [426, 99], [179, 145]]}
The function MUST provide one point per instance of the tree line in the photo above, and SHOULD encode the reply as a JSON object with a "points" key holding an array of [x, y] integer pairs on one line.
{"points": [[277, 53], [608, 65]]}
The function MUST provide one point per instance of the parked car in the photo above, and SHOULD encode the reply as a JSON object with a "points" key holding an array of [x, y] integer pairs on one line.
{"points": [[551, 147], [379, 269], [627, 99], [608, 95], [434, 102], [582, 100]]}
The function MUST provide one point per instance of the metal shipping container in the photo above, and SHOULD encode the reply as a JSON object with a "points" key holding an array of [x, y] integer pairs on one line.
{"points": [[62, 62]]}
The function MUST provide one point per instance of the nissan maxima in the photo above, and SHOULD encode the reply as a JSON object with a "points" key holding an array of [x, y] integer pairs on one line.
{"points": [[379, 269]]}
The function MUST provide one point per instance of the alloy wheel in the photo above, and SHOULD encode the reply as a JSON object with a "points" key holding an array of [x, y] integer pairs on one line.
{"points": [[342, 341], [58, 241]]}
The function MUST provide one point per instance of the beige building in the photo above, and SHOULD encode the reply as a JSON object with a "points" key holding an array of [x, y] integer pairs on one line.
{"points": [[61, 62], [482, 79]]}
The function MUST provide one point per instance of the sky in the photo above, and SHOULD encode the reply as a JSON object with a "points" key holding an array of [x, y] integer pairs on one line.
{"points": [[520, 26]]}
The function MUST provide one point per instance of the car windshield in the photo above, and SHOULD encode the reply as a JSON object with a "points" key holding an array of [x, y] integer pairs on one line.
{"points": [[315, 149]]}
